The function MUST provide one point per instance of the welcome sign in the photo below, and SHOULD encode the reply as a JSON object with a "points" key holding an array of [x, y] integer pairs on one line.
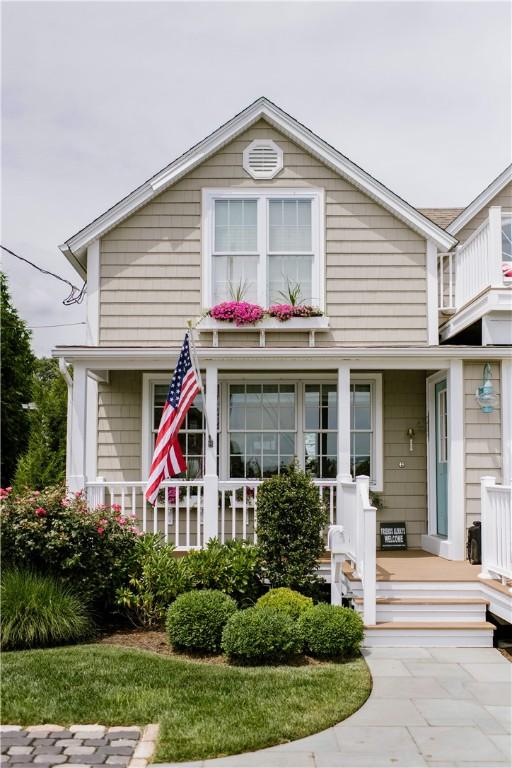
{"points": [[393, 536]]}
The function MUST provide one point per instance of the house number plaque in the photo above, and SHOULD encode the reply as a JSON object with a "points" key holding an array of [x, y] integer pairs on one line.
{"points": [[393, 536]]}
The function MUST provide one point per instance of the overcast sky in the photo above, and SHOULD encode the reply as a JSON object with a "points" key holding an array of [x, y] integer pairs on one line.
{"points": [[98, 96]]}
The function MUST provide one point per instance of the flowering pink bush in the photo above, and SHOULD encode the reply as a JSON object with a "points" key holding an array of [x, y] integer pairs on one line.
{"points": [[284, 312], [237, 312], [90, 549]]}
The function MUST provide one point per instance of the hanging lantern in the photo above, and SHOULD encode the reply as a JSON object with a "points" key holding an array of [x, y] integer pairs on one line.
{"points": [[485, 396]]}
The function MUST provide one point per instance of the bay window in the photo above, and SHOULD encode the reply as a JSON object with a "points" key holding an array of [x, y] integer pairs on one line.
{"points": [[260, 244]]}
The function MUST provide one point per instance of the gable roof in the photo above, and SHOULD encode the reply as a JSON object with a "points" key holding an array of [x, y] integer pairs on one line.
{"points": [[441, 216], [75, 248], [481, 201]]}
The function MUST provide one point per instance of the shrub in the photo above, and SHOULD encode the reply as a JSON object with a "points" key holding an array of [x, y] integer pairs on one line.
{"points": [[90, 550], [291, 516], [196, 619], [330, 630], [39, 611], [232, 567], [259, 635], [287, 600], [156, 578]]}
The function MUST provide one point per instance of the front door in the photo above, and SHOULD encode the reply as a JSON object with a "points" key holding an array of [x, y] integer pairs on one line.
{"points": [[441, 458]]}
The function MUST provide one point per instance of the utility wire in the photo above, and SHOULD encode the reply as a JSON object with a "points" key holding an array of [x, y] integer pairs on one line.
{"points": [[77, 294], [58, 325]]}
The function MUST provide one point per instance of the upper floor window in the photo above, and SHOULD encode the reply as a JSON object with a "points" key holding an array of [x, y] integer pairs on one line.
{"points": [[260, 245]]}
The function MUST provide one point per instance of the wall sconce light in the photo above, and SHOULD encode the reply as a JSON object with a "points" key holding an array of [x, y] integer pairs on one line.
{"points": [[484, 395], [410, 435]]}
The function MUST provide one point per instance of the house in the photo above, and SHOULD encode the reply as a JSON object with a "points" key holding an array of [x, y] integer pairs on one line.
{"points": [[415, 317]]}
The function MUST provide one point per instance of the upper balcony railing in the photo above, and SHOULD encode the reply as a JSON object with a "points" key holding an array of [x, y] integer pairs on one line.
{"points": [[483, 261]]}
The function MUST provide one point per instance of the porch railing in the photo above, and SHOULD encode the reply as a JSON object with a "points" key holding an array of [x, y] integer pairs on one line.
{"points": [[356, 539], [496, 530], [179, 512]]}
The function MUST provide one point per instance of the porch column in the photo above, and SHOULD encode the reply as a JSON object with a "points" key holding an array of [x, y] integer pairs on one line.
{"points": [[211, 480], [494, 264], [77, 444], [506, 420], [456, 496], [343, 436]]}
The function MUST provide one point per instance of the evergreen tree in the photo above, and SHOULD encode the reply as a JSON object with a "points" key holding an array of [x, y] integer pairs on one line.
{"points": [[16, 381], [44, 462]]}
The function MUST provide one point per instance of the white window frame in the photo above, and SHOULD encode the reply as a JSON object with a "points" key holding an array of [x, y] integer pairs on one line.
{"points": [[262, 196]]}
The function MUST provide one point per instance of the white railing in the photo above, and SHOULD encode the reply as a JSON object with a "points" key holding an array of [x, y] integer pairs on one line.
{"points": [[496, 530], [354, 538], [238, 500], [177, 515]]}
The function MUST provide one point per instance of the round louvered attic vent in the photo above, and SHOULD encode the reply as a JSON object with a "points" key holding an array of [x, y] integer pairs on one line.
{"points": [[263, 159]]}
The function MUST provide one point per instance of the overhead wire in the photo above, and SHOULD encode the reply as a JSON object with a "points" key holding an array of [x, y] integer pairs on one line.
{"points": [[77, 294]]}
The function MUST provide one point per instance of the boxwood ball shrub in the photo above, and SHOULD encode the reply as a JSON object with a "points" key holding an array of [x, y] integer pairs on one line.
{"points": [[291, 516], [196, 619], [259, 635], [40, 611], [330, 630], [287, 600]]}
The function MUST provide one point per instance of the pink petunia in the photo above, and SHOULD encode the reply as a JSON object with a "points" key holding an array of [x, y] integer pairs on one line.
{"points": [[121, 520], [100, 530], [116, 507]]}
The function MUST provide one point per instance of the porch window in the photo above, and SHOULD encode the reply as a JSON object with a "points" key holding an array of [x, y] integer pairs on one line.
{"points": [[191, 435], [262, 427], [257, 244]]}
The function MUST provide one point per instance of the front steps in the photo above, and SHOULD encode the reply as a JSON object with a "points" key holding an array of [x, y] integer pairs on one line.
{"points": [[474, 634], [428, 609]]}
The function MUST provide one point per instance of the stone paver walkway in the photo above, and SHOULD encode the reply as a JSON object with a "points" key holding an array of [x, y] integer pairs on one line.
{"points": [[438, 707], [79, 746]]}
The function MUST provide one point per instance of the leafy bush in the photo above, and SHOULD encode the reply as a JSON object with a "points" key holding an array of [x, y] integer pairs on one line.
{"points": [[287, 600], [156, 578], [330, 630], [291, 516], [232, 567], [196, 619], [39, 611], [90, 550], [259, 635]]}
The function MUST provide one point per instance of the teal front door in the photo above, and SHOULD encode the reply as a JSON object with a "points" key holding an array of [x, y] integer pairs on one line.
{"points": [[441, 459]]}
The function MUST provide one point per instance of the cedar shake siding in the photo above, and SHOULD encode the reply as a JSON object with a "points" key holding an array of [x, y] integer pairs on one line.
{"points": [[150, 271]]}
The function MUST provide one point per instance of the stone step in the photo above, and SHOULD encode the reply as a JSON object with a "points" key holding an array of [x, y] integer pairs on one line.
{"points": [[462, 634]]}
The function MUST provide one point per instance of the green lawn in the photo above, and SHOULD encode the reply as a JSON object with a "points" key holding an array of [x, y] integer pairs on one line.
{"points": [[204, 710]]}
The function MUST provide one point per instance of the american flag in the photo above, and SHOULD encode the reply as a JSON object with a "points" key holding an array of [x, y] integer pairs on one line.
{"points": [[167, 458]]}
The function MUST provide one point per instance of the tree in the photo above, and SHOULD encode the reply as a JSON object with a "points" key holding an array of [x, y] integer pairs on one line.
{"points": [[16, 382], [44, 462]]}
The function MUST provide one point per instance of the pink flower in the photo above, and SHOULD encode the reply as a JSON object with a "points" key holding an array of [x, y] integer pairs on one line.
{"points": [[9, 488], [65, 502], [37, 493], [40, 512], [3, 493], [116, 507], [135, 530], [121, 520], [104, 521], [100, 530], [237, 312], [78, 494], [284, 312]]}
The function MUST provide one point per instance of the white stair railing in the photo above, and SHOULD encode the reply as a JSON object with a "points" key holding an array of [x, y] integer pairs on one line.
{"points": [[496, 521], [354, 539]]}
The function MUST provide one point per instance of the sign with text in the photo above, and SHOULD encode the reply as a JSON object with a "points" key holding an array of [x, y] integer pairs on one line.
{"points": [[393, 536]]}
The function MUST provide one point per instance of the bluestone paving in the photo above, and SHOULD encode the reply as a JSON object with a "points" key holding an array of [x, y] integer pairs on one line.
{"points": [[433, 707]]}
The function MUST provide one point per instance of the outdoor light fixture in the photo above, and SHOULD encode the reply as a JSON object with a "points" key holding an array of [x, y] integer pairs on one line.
{"points": [[484, 395], [410, 435]]}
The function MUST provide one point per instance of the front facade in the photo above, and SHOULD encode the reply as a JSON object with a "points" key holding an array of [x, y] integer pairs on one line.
{"points": [[380, 382]]}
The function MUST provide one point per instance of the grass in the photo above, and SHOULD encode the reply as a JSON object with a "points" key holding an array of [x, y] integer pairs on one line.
{"points": [[204, 710]]}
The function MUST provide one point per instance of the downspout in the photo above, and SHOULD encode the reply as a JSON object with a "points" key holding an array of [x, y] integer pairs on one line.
{"points": [[63, 368]]}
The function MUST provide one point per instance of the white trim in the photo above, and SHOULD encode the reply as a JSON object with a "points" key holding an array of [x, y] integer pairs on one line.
{"points": [[490, 300], [262, 195], [77, 476], [506, 419], [456, 487], [268, 324], [481, 201], [432, 294], [74, 247], [93, 293], [91, 432]]}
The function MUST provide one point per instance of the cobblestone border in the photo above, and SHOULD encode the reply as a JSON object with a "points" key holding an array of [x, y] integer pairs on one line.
{"points": [[79, 746]]}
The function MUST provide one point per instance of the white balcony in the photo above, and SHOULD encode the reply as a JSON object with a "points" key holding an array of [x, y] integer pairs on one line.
{"points": [[475, 281]]}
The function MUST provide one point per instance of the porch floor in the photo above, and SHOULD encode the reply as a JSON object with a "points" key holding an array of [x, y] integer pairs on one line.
{"points": [[417, 565]]}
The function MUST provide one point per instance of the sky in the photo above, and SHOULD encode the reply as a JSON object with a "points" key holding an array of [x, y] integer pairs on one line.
{"points": [[98, 96]]}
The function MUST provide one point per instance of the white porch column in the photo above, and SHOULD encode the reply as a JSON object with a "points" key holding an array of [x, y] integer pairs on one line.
{"points": [[211, 479], [77, 445], [506, 420], [343, 436], [494, 251], [456, 495]]}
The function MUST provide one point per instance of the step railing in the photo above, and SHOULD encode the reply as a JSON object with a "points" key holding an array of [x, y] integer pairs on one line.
{"points": [[496, 519], [177, 514], [354, 538]]}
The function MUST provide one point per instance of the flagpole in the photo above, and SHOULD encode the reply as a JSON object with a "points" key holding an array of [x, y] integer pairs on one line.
{"points": [[198, 371]]}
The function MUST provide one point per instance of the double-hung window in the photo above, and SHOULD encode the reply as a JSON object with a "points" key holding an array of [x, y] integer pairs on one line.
{"points": [[260, 244]]}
